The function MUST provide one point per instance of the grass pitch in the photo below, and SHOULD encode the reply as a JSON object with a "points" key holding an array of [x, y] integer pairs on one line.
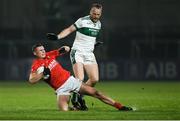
{"points": [[153, 100]]}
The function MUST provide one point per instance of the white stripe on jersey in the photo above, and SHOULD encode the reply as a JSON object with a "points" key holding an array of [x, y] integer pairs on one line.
{"points": [[86, 34]]}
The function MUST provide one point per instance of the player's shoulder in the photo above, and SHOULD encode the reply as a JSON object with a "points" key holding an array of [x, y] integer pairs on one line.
{"points": [[84, 18], [35, 61], [99, 22]]}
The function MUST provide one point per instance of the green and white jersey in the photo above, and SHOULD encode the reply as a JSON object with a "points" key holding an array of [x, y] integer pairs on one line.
{"points": [[86, 33]]}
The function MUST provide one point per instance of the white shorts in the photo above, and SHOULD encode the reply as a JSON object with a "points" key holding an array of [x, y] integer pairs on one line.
{"points": [[83, 57], [71, 85]]}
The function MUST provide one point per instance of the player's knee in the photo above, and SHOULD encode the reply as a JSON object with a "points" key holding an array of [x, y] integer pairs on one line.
{"points": [[63, 108], [94, 79], [92, 82]]}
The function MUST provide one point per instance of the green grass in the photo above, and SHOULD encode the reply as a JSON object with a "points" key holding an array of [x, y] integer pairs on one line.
{"points": [[153, 100]]}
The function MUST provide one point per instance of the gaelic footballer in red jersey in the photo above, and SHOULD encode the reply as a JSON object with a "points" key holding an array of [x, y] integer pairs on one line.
{"points": [[46, 68], [57, 75]]}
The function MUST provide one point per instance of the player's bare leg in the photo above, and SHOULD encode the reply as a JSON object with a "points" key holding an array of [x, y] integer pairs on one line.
{"points": [[78, 69], [93, 74], [62, 101], [77, 101], [85, 89]]}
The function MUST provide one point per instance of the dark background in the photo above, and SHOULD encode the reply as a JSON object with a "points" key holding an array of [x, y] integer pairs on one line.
{"points": [[141, 37]]}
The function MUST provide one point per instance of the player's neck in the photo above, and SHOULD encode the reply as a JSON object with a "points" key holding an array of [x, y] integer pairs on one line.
{"points": [[92, 20]]}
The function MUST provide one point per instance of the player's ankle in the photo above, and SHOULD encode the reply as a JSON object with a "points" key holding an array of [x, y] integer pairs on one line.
{"points": [[118, 105]]}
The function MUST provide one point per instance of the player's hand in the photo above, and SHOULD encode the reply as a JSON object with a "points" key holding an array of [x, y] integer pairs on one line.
{"points": [[64, 49], [46, 73], [52, 36], [98, 43]]}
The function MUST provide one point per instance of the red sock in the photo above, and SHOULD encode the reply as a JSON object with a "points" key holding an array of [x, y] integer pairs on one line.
{"points": [[117, 105]]}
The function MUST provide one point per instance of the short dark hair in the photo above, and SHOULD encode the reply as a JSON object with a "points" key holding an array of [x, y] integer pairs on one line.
{"points": [[35, 46], [96, 5]]}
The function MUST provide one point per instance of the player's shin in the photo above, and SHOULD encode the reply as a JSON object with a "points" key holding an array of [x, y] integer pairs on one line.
{"points": [[111, 102]]}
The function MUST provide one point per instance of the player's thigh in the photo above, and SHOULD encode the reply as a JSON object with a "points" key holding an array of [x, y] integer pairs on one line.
{"points": [[62, 101], [77, 61], [92, 71], [78, 69]]}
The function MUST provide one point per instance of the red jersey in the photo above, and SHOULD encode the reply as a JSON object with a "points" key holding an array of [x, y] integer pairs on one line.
{"points": [[58, 74]]}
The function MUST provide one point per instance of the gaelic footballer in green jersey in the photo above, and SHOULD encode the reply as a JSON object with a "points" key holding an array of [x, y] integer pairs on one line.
{"points": [[82, 57]]}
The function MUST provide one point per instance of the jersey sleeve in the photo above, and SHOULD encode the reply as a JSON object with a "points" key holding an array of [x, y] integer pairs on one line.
{"points": [[54, 53], [34, 67], [78, 23]]}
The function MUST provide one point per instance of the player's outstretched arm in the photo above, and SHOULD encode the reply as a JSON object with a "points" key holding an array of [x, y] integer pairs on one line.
{"points": [[62, 34]]}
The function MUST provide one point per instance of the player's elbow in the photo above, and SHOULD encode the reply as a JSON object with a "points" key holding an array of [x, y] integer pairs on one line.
{"points": [[32, 81], [34, 78]]}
